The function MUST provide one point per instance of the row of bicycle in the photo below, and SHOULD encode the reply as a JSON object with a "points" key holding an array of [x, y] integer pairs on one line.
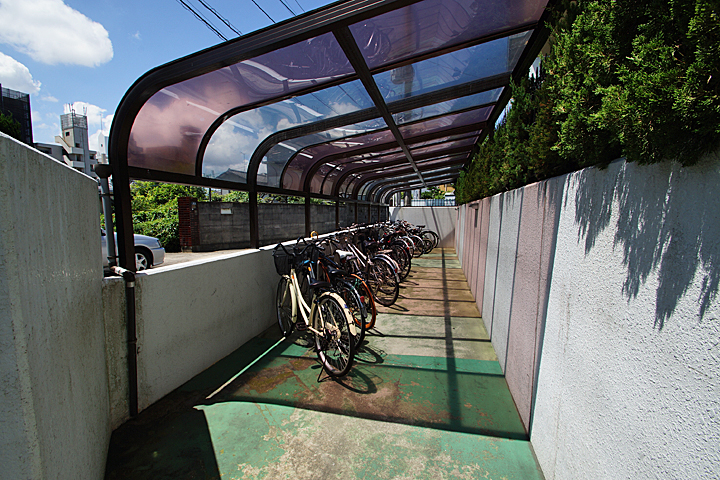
{"points": [[330, 286]]}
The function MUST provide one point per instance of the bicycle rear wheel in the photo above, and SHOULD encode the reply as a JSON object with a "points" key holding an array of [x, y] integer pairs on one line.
{"points": [[403, 258], [383, 281], [432, 236], [283, 303], [352, 299], [335, 349], [418, 246], [366, 297]]}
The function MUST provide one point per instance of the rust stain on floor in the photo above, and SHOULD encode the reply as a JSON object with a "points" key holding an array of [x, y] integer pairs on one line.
{"points": [[426, 395]]}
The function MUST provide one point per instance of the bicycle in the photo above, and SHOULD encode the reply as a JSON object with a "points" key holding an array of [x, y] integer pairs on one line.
{"points": [[328, 317], [379, 271], [351, 287]]}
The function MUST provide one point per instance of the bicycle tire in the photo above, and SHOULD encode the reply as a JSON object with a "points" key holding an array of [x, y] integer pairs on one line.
{"points": [[302, 274], [335, 349], [427, 245], [409, 244], [283, 306], [403, 258], [418, 245], [366, 297], [350, 295], [434, 237], [386, 281]]}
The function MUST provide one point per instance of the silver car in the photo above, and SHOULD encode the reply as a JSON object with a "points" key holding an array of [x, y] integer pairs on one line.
{"points": [[149, 252]]}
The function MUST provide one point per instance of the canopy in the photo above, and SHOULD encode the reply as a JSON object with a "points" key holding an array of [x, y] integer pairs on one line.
{"points": [[350, 102]]}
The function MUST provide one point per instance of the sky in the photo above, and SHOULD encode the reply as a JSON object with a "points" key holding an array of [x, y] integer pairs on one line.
{"points": [[87, 53]]}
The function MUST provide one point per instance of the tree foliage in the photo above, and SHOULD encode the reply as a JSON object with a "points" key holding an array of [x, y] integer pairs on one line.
{"points": [[637, 79], [432, 193], [10, 126], [155, 210]]}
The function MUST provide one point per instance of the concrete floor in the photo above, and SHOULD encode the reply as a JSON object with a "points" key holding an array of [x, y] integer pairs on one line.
{"points": [[426, 399]]}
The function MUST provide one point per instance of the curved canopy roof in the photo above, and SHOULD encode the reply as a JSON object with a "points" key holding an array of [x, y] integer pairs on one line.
{"points": [[356, 100]]}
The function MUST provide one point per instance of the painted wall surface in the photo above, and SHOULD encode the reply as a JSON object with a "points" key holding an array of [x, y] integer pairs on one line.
{"points": [[510, 210], [189, 316], [609, 326], [536, 233], [54, 405], [633, 327], [439, 219], [491, 262]]}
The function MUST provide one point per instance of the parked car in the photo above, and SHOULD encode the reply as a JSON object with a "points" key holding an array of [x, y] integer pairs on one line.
{"points": [[149, 252]]}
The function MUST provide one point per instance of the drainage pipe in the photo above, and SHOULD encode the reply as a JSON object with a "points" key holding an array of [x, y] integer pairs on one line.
{"points": [[129, 278], [104, 171]]}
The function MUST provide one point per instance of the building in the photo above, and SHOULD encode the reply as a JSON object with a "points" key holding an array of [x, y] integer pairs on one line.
{"points": [[17, 105], [73, 147]]}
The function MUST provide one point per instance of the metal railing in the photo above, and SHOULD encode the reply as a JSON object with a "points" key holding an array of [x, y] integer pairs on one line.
{"points": [[434, 202]]}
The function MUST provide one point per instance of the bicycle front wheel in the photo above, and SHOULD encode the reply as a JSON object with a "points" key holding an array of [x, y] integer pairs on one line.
{"points": [[283, 303], [334, 345]]}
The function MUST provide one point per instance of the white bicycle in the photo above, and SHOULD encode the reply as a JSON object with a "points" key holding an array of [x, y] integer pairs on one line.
{"points": [[321, 311]]}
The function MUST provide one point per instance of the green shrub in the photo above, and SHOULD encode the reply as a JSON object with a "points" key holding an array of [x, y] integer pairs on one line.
{"points": [[637, 79]]}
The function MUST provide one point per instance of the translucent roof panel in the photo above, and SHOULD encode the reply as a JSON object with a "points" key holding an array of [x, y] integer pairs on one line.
{"points": [[450, 106], [364, 193], [168, 128], [277, 157], [374, 178], [440, 124], [287, 104], [305, 159], [326, 178], [439, 150], [434, 24], [231, 146], [455, 68]]}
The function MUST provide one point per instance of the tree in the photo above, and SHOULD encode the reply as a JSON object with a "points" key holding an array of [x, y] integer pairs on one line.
{"points": [[155, 210], [432, 193], [10, 126]]}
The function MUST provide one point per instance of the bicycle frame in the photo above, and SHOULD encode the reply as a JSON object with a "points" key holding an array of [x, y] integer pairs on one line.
{"points": [[306, 311]]}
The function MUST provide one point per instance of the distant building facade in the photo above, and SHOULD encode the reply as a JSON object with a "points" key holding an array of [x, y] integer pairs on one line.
{"points": [[17, 105], [73, 146]]}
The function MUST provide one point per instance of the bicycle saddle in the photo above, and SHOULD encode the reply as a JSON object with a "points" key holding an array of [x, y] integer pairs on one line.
{"points": [[319, 285], [336, 271]]}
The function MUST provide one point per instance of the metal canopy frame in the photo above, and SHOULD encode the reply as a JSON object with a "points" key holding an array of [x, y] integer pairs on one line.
{"points": [[402, 67]]}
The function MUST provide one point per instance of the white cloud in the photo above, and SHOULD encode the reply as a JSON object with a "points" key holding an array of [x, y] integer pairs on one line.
{"points": [[136, 35], [51, 32], [49, 98], [16, 76]]}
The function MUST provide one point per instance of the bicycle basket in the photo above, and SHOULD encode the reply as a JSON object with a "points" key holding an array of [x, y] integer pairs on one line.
{"points": [[283, 260]]}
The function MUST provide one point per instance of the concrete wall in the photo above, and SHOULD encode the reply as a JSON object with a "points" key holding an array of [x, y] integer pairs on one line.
{"points": [[441, 220], [600, 294], [278, 222], [189, 316], [54, 403]]}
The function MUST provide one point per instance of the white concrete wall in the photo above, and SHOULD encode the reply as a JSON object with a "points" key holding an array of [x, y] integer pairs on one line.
{"points": [[629, 380], [439, 219], [601, 296], [189, 316], [54, 402]]}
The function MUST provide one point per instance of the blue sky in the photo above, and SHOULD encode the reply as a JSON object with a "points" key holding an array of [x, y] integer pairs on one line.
{"points": [[88, 53]]}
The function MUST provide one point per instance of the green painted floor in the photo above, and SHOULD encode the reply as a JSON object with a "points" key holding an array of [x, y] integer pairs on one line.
{"points": [[426, 399]]}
